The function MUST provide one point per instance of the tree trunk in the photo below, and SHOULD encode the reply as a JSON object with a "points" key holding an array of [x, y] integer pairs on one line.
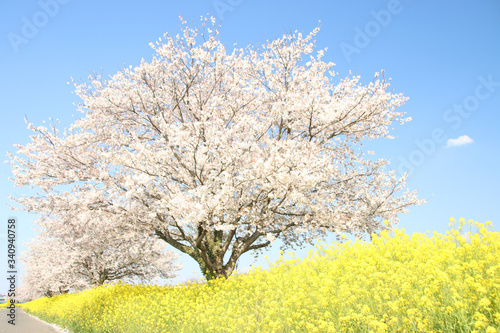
{"points": [[210, 248]]}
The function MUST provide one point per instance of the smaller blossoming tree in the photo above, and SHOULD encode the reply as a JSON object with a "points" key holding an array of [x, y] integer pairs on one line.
{"points": [[76, 252]]}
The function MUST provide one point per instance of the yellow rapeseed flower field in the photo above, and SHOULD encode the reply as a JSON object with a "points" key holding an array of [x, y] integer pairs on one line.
{"points": [[395, 283]]}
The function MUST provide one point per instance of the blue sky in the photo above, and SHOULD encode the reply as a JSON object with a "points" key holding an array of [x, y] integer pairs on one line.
{"points": [[443, 55]]}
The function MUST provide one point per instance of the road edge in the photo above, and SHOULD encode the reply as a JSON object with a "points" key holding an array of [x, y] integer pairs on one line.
{"points": [[59, 329]]}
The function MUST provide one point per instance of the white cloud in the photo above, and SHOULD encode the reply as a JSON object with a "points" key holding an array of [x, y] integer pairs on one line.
{"points": [[460, 141]]}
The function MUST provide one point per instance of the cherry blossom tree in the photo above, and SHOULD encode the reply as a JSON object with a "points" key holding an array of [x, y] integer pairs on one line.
{"points": [[220, 153], [49, 270], [76, 252]]}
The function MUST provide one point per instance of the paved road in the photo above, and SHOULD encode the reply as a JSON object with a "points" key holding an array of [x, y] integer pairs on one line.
{"points": [[24, 324]]}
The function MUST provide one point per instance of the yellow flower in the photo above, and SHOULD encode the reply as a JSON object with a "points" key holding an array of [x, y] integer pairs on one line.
{"points": [[484, 302], [397, 283]]}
